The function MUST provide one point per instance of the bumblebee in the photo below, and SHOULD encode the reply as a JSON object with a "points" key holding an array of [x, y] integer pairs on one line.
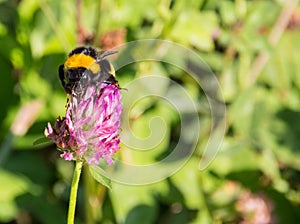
{"points": [[84, 66]]}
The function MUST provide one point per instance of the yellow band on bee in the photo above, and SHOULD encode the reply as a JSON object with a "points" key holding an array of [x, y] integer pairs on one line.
{"points": [[82, 60]]}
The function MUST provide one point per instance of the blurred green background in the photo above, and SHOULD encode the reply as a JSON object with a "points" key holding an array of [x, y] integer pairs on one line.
{"points": [[253, 47]]}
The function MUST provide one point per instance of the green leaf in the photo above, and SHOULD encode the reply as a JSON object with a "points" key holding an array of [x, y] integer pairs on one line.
{"points": [[97, 173], [41, 140], [12, 186]]}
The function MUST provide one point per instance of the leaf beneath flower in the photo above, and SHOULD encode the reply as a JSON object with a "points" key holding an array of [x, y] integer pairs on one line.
{"points": [[97, 173], [42, 140]]}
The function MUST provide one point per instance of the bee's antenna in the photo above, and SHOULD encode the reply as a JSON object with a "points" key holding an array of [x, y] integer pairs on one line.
{"points": [[104, 54]]}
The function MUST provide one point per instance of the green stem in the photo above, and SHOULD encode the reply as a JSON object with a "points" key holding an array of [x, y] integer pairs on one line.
{"points": [[73, 193], [98, 24]]}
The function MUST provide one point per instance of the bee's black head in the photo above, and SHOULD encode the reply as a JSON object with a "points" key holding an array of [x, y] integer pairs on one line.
{"points": [[89, 51]]}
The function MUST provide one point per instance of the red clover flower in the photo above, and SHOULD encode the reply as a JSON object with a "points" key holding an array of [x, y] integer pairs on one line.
{"points": [[90, 128]]}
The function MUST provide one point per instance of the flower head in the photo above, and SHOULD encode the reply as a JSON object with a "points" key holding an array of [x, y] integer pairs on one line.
{"points": [[90, 129]]}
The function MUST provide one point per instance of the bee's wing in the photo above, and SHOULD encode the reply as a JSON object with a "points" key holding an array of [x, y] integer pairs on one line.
{"points": [[106, 70]]}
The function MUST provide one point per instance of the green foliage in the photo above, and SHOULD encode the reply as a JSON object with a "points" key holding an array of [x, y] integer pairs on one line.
{"points": [[96, 173], [259, 155]]}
